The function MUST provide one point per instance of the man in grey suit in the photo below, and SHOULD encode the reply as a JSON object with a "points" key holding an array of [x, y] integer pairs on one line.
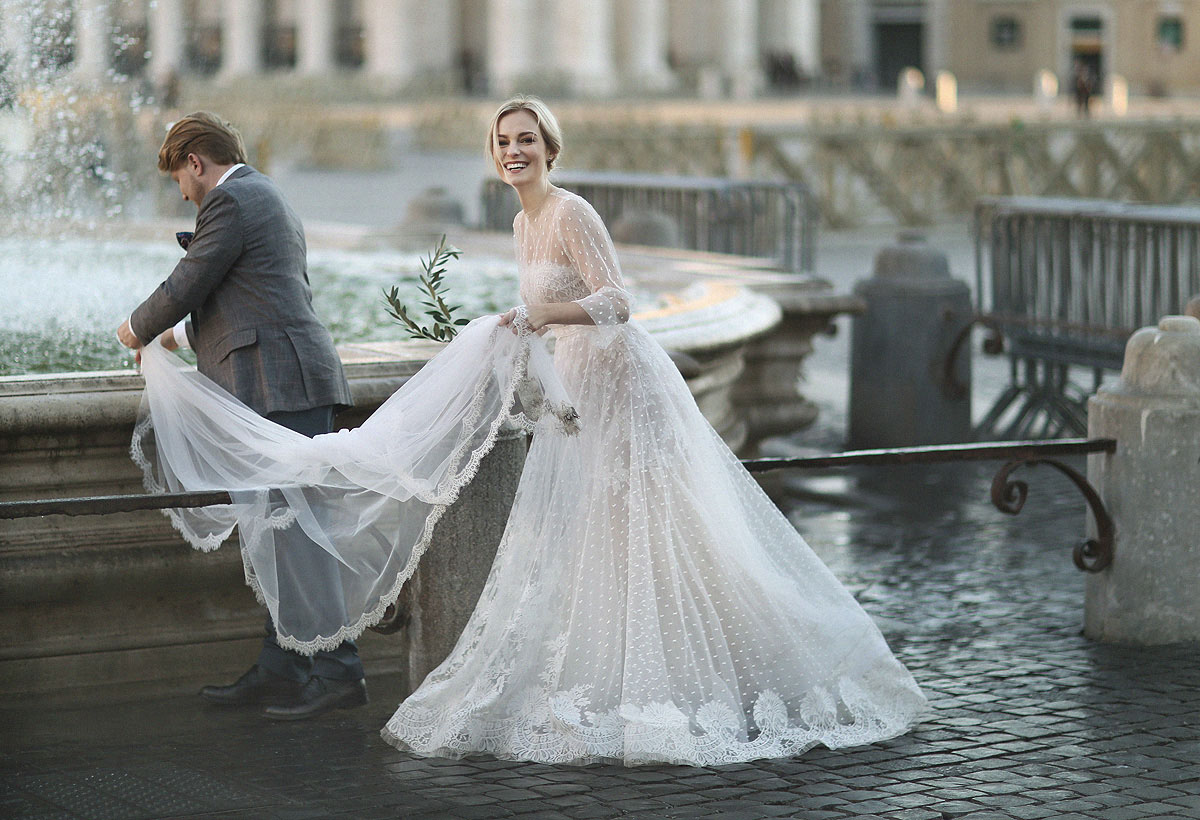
{"points": [[244, 285]]}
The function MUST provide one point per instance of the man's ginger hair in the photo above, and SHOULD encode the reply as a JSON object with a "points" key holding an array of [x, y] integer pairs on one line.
{"points": [[204, 134]]}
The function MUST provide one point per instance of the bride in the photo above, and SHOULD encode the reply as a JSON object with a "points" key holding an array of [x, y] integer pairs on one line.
{"points": [[648, 602]]}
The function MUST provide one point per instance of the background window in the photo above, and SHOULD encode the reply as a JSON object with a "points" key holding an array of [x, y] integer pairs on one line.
{"points": [[1006, 32], [1170, 33]]}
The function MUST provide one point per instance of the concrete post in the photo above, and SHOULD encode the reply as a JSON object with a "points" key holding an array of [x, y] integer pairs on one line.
{"points": [[1151, 486], [242, 37], [167, 44], [899, 345], [315, 26]]}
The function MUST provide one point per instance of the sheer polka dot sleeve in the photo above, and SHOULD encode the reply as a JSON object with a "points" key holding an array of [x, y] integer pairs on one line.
{"points": [[589, 247]]}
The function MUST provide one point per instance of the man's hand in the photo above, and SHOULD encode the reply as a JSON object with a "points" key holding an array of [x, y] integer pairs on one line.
{"points": [[167, 339], [126, 336]]}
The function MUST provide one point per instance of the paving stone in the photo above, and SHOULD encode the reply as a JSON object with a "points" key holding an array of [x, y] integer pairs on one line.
{"points": [[1030, 720]]}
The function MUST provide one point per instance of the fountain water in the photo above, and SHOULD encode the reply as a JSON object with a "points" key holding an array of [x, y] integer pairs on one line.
{"points": [[72, 139]]}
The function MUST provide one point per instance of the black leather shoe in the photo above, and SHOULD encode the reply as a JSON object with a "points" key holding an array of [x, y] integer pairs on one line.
{"points": [[257, 687], [319, 696]]}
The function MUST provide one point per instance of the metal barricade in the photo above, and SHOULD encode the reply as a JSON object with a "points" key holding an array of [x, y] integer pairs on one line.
{"points": [[1066, 282], [776, 220]]}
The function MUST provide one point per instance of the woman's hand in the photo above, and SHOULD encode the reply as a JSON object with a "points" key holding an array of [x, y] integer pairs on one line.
{"points": [[538, 317]]}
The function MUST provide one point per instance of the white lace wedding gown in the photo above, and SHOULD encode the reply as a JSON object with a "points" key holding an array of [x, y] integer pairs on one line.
{"points": [[648, 601]]}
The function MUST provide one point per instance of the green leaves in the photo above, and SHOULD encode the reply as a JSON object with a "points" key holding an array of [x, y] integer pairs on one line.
{"points": [[434, 289]]}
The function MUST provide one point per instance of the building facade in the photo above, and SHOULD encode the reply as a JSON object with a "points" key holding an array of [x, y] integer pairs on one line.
{"points": [[717, 48]]}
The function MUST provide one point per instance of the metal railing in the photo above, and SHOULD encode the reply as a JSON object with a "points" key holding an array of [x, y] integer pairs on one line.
{"points": [[775, 220], [1066, 281], [1007, 495]]}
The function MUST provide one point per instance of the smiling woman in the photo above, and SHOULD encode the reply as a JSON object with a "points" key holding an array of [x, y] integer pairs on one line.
{"points": [[648, 602]]}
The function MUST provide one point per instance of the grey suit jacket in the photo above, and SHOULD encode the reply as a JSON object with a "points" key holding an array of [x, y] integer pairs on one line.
{"points": [[244, 281]]}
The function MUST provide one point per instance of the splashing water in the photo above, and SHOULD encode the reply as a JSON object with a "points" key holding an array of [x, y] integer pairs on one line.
{"points": [[72, 146], [63, 298]]}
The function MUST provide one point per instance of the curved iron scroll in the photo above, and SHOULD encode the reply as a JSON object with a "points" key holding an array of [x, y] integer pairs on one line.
{"points": [[1009, 495], [993, 345]]}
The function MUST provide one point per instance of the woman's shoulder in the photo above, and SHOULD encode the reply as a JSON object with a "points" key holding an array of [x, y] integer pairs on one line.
{"points": [[571, 206]]}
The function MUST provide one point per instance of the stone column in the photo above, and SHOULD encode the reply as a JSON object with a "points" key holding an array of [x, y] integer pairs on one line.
{"points": [[936, 43], [241, 37], [794, 27], [584, 44], [512, 42], [93, 39], [167, 43], [386, 26], [1151, 487], [737, 46], [858, 50], [898, 396], [405, 38], [315, 37], [642, 43], [436, 38]]}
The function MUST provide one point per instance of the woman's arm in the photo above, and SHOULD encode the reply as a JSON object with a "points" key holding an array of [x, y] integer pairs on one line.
{"points": [[556, 313]]}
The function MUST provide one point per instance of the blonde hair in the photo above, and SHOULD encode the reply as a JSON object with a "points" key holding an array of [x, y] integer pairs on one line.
{"points": [[201, 133], [551, 133]]}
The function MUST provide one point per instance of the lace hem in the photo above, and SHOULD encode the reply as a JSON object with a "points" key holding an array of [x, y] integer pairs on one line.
{"points": [[455, 481], [556, 729]]}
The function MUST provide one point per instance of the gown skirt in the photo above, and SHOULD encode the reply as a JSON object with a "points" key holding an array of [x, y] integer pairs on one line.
{"points": [[649, 603]]}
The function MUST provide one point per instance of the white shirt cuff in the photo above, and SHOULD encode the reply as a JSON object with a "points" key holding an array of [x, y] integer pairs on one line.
{"points": [[181, 338]]}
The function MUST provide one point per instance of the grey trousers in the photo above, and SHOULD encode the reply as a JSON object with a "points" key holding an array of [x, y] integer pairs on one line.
{"points": [[303, 564]]}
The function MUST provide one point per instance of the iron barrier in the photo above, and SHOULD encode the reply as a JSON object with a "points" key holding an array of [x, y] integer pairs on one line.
{"points": [[1007, 495], [1064, 283], [775, 220]]}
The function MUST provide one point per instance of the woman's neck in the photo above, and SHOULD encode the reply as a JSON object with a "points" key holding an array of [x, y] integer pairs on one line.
{"points": [[534, 197]]}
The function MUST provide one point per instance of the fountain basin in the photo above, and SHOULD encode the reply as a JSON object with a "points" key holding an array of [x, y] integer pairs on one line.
{"points": [[120, 599]]}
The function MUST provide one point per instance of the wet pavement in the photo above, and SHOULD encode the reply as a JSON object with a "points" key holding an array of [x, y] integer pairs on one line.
{"points": [[1028, 720]]}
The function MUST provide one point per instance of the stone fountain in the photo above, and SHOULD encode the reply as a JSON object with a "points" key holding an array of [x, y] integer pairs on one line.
{"points": [[120, 599]]}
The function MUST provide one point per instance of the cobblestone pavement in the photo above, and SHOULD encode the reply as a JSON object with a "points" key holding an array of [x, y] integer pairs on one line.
{"points": [[1029, 719]]}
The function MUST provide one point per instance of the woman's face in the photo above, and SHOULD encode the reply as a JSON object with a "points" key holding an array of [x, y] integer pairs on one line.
{"points": [[519, 149]]}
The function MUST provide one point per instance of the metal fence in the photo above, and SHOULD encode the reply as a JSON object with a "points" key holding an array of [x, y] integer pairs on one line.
{"points": [[1066, 281], [776, 220]]}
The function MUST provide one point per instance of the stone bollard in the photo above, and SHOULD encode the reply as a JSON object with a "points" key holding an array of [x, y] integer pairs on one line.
{"points": [[1151, 487], [646, 227], [1193, 308], [437, 601], [898, 391]]}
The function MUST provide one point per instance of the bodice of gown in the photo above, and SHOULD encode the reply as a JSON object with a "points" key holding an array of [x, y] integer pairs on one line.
{"points": [[564, 254]]}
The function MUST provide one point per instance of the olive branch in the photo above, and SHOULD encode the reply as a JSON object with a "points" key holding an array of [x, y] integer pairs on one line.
{"points": [[444, 325]]}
